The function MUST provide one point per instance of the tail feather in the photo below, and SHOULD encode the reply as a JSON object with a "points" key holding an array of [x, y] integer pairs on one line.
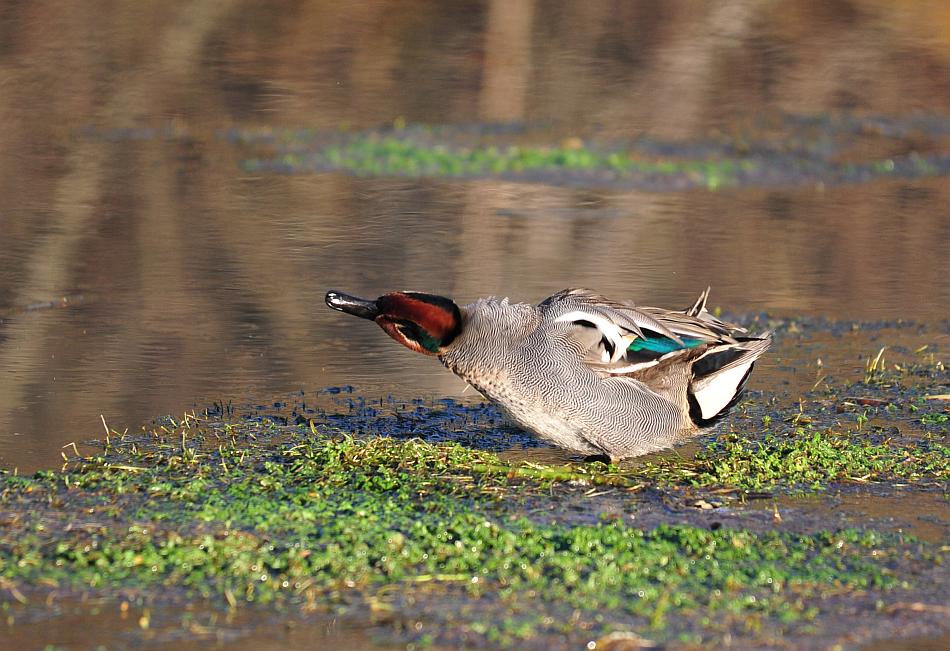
{"points": [[699, 305]]}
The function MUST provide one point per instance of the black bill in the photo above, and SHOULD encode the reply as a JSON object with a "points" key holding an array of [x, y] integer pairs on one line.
{"points": [[352, 305]]}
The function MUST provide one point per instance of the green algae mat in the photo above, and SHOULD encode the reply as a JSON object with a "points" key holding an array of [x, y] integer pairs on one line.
{"points": [[784, 149], [409, 518]]}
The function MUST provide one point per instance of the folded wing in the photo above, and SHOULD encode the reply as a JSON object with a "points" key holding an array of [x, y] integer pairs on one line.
{"points": [[621, 339]]}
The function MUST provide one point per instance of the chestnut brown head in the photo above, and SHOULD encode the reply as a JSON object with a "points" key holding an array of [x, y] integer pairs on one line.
{"points": [[425, 323]]}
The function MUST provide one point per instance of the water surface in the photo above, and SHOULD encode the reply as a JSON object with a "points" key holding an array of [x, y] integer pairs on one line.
{"points": [[144, 272]]}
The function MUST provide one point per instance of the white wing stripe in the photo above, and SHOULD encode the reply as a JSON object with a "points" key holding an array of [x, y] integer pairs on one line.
{"points": [[607, 328]]}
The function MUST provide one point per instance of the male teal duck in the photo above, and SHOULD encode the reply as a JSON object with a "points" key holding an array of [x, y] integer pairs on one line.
{"points": [[593, 375]]}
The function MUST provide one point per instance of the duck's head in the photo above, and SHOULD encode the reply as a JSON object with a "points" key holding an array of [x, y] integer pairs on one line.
{"points": [[425, 323]]}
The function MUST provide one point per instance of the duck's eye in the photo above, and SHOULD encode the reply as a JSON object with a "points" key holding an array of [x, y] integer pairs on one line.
{"points": [[415, 333], [410, 331]]}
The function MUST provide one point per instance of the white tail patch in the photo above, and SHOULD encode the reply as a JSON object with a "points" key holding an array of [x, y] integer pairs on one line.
{"points": [[715, 391]]}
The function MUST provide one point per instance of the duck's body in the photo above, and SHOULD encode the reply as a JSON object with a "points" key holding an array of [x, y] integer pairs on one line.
{"points": [[584, 372]]}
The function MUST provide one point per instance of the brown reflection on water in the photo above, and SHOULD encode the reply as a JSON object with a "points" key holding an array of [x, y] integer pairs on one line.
{"points": [[200, 282], [922, 515], [71, 622]]}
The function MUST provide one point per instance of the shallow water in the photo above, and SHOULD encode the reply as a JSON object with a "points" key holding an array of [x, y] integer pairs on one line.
{"points": [[144, 272], [179, 628]]}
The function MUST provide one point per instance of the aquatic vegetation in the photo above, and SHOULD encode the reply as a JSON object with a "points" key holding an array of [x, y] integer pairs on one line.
{"points": [[804, 459], [242, 517], [813, 458], [536, 154], [394, 156]]}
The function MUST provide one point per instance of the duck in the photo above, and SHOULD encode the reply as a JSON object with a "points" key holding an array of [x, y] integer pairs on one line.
{"points": [[602, 378]]}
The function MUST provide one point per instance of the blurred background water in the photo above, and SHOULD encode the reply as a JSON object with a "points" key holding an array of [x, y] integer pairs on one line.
{"points": [[145, 271]]}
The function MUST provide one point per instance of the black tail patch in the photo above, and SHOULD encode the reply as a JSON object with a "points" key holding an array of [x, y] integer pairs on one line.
{"points": [[713, 362]]}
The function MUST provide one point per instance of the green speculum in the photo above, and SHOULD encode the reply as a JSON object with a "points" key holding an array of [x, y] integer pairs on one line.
{"points": [[662, 344]]}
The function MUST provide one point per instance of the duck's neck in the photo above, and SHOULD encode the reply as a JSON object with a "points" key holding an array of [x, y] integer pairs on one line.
{"points": [[490, 329]]}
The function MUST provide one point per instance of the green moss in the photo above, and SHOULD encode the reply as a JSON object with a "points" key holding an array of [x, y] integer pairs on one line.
{"points": [[530, 154], [806, 457], [935, 418], [801, 459], [334, 520], [373, 154]]}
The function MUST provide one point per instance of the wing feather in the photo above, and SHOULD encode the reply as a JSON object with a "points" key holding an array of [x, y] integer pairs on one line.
{"points": [[611, 350]]}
